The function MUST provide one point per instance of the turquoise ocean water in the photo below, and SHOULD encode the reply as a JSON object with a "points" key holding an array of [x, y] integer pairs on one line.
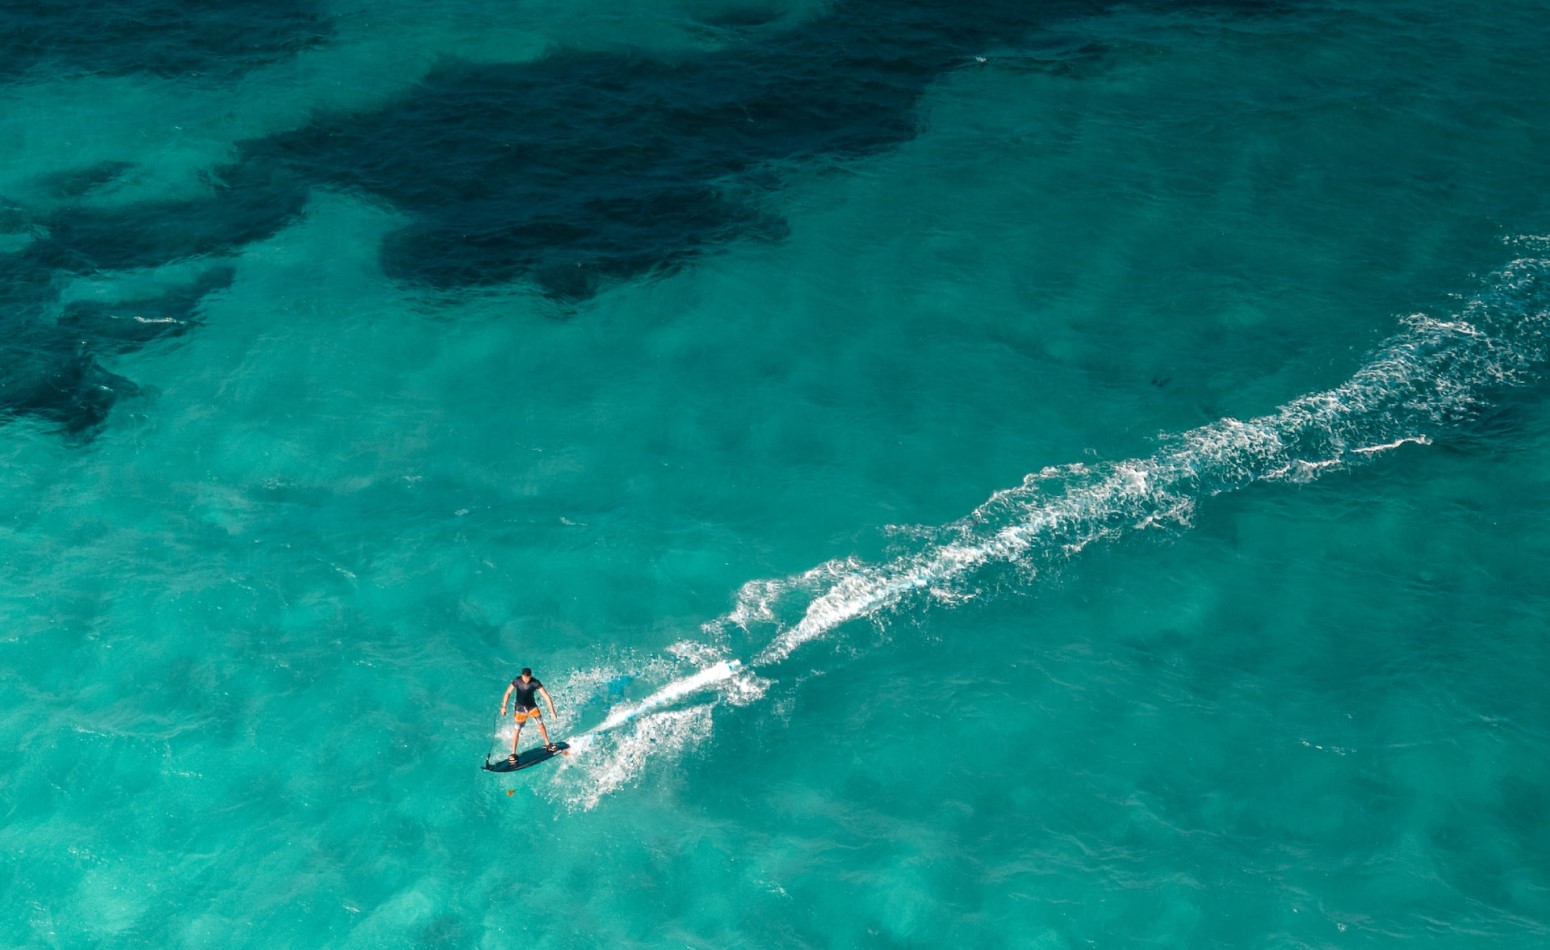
{"points": [[1053, 476]]}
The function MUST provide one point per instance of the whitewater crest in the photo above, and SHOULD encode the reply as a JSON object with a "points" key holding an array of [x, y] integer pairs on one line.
{"points": [[1434, 376]]}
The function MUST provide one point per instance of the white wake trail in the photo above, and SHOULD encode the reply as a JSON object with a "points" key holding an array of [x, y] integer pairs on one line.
{"points": [[1434, 376]]}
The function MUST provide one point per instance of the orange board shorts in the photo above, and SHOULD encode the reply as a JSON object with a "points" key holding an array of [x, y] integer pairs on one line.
{"points": [[523, 715]]}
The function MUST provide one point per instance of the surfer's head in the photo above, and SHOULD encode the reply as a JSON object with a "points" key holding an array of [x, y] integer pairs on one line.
{"points": [[527, 673]]}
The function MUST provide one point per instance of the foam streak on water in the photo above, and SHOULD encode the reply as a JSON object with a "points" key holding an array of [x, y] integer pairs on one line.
{"points": [[668, 694], [1433, 376]]}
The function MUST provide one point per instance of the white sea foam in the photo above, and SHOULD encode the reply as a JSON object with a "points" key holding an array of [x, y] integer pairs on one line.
{"points": [[1435, 375], [669, 694], [602, 762]]}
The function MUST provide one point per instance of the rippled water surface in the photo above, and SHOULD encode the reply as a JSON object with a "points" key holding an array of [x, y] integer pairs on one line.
{"points": [[1031, 475]]}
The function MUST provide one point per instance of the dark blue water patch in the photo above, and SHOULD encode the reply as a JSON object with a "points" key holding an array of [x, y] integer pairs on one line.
{"points": [[573, 172], [124, 325], [77, 183], [47, 374], [248, 202], [584, 169], [49, 367], [579, 169], [182, 38]]}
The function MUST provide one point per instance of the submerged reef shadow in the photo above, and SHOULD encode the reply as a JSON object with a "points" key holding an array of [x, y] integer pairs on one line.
{"points": [[573, 172]]}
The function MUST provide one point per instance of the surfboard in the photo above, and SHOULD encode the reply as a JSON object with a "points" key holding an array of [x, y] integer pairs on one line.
{"points": [[528, 759]]}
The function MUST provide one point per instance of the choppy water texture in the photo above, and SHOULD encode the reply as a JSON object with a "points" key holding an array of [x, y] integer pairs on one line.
{"points": [[1003, 475]]}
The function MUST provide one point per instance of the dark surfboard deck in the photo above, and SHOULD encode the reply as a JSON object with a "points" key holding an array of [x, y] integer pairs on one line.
{"points": [[528, 759]]}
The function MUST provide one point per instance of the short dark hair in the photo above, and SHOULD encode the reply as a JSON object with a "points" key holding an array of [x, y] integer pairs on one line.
{"points": [[526, 671]]}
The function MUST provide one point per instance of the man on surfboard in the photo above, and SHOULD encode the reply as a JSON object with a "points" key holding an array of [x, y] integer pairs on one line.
{"points": [[525, 686]]}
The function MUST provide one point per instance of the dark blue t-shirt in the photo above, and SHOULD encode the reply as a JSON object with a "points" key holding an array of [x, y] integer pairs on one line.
{"points": [[527, 693]]}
